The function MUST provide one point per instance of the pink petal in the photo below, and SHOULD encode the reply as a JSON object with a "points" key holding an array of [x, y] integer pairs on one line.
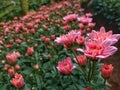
{"points": [[108, 42], [81, 50], [102, 29], [110, 50], [116, 36]]}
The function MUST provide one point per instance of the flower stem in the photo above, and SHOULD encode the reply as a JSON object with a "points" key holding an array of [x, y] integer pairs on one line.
{"points": [[82, 69], [93, 69], [104, 81], [89, 71]]}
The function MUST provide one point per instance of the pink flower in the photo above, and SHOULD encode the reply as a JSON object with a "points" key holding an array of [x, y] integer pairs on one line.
{"points": [[102, 35], [70, 17], [88, 14], [80, 40], [69, 38], [30, 51], [91, 25], [47, 40], [12, 57], [106, 70], [84, 19], [97, 50], [18, 41], [30, 25], [81, 59], [66, 27], [11, 71], [65, 66], [18, 81]]}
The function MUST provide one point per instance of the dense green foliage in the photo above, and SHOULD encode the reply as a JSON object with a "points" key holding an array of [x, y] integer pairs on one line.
{"points": [[110, 9], [11, 8]]}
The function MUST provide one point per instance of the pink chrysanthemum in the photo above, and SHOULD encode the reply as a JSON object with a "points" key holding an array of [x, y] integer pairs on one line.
{"points": [[95, 49], [69, 38], [102, 35]]}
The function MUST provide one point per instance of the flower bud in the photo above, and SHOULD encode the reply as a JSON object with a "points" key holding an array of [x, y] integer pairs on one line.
{"points": [[81, 59], [11, 71], [106, 70]]}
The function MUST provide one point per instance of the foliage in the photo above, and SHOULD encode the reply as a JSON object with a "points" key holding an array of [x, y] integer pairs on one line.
{"points": [[110, 9], [11, 8]]}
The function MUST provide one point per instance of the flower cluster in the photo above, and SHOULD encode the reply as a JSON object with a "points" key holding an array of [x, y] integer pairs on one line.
{"points": [[32, 45]]}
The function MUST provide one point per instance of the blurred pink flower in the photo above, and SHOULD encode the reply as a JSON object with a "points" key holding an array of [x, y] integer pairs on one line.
{"points": [[97, 50], [69, 38], [11, 71], [30, 50], [12, 57], [18, 81], [80, 40], [102, 35], [84, 19], [70, 17], [65, 66]]}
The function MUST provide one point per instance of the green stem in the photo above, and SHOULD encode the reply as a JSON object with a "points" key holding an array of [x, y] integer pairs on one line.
{"points": [[74, 82], [93, 69], [104, 81], [82, 69], [89, 71]]}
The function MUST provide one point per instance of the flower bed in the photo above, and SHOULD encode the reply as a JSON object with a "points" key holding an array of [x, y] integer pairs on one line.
{"points": [[54, 49]]}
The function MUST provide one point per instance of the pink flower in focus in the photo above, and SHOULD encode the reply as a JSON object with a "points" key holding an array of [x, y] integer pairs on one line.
{"points": [[106, 70], [97, 50], [70, 17], [102, 35], [65, 66], [69, 38]]}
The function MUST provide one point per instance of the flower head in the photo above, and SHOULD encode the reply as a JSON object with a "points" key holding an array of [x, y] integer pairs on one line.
{"points": [[18, 81], [81, 59], [65, 66], [84, 19], [95, 49], [70, 17], [12, 57], [69, 38], [102, 35], [30, 51]]}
